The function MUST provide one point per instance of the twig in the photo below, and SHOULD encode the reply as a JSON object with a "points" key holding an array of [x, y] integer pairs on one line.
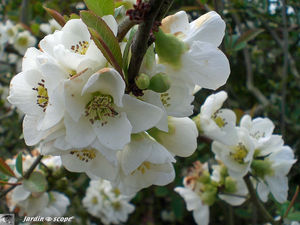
{"points": [[140, 43], [32, 167], [249, 72], [292, 202], [26, 175], [24, 12], [285, 67], [124, 27], [262, 210], [164, 9]]}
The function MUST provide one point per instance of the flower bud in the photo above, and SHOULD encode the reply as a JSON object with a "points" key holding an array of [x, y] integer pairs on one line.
{"points": [[261, 168], [196, 119], [169, 48], [205, 177], [160, 83], [209, 197], [230, 185], [142, 81]]}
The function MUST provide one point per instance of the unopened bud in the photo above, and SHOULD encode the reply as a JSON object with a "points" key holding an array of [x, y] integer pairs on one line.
{"points": [[230, 185], [142, 81], [208, 197], [261, 168], [205, 177], [160, 83]]}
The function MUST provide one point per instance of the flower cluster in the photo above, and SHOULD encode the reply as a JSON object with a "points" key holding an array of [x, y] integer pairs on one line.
{"points": [[248, 149], [78, 107], [107, 203], [24, 201], [15, 35]]}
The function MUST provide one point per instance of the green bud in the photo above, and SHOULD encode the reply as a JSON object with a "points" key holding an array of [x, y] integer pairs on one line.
{"points": [[230, 185], [209, 197], [205, 177], [160, 83], [169, 48], [196, 119], [142, 81], [261, 168]]}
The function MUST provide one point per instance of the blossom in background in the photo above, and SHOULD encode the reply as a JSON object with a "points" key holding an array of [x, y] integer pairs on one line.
{"points": [[107, 203], [216, 123], [50, 27], [23, 41], [236, 157], [25, 202], [11, 31]]}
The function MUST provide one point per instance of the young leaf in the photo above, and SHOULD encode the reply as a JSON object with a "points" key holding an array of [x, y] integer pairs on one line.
{"points": [[56, 15], [104, 39], [101, 7], [19, 164], [36, 182], [4, 168], [295, 216]]}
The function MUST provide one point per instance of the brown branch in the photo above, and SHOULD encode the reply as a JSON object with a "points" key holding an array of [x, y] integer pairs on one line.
{"points": [[285, 67], [26, 175], [140, 43], [249, 72], [124, 27], [253, 197], [292, 202]]}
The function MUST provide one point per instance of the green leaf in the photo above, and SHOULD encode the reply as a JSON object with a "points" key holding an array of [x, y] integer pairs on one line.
{"points": [[36, 182], [104, 38], [294, 216], [249, 35], [4, 168], [101, 7], [126, 52], [56, 15], [19, 164], [177, 206]]}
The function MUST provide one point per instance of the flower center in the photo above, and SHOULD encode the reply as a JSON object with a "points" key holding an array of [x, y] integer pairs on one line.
{"points": [[22, 41], [239, 154], [221, 122], [257, 135], [84, 155], [81, 47], [144, 167], [42, 95], [94, 200], [10, 32], [165, 98], [100, 107]]}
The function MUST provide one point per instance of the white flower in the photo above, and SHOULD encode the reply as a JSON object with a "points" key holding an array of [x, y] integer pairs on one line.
{"points": [[100, 109], [57, 205], [38, 95], [107, 203], [94, 159], [195, 204], [49, 28], [144, 162], [216, 123], [260, 129], [181, 138], [11, 31], [23, 41], [203, 63], [73, 48], [237, 157], [274, 178]]}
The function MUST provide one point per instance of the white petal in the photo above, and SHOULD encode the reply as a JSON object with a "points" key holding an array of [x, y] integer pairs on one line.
{"points": [[263, 191], [111, 23], [141, 115], [20, 194], [205, 65], [193, 201], [207, 28], [29, 60], [201, 215], [176, 23], [279, 187], [80, 133], [115, 134], [107, 81]]}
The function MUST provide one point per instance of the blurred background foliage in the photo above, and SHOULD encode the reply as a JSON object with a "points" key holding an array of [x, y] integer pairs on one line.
{"points": [[263, 47]]}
